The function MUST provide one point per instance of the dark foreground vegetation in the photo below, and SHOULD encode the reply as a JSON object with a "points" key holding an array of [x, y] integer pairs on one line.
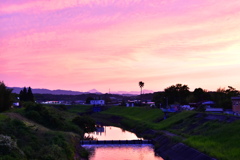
{"points": [[35, 131], [42, 132], [21, 142]]}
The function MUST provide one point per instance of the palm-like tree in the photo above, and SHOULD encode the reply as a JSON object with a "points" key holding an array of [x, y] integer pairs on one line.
{"points": [[141, 84]]}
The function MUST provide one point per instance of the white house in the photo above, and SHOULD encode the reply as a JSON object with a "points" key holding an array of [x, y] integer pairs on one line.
{"points": [[97, 102]]}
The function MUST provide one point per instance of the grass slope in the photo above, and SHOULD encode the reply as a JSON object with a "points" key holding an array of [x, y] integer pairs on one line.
{"points": [[39, 132], [79, 108], [218, 139]]}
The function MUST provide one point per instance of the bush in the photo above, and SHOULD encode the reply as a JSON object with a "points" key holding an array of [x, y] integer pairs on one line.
{"points": [[31, 106], [34, 115], [86, 123]]}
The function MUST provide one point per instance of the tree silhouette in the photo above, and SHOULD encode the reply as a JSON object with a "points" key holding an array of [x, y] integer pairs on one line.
{"points": [[30, 95], [177, 93], [26, 95], [5, 97], [23, 94], [141, 84]]}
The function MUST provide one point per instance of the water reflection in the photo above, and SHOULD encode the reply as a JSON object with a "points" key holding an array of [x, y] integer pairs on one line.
{"points": [[122, 151], [112, 133]]}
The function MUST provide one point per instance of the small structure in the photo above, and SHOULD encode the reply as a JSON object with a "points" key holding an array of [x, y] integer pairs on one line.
{"points": [[130, 104], [214, 110], [99, 130], [97, 102], [208, 104], [16, 104], [51, 102], [110, 142], [149, 103], [186, 107], [236, 104]]}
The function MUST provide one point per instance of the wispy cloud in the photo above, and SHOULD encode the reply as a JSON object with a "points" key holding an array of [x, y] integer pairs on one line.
{"points": [[98, 44]]}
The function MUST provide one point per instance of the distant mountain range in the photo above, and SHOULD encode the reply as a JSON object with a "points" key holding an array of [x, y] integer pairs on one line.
{"points": [[133, 92], [69, 92], [47, 91]]}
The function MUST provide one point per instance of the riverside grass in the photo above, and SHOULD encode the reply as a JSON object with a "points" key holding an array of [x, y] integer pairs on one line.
{"points": [[222, 142], [148, 116], [217, 139], [79, 108]]}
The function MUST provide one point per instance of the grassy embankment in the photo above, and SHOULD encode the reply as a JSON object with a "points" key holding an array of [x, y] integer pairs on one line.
{"points": [[39, 132], [217, 139], [80, 109]]}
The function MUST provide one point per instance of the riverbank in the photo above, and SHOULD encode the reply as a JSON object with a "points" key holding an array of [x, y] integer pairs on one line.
{"points": [[40, 132], [210, 134], [168, 146]]}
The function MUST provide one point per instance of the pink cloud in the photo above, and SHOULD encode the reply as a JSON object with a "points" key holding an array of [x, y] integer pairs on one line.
{"points": [[115, 44]]}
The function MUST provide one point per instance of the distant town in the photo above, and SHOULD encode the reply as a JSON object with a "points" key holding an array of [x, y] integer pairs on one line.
{"points": [[173, 99]]}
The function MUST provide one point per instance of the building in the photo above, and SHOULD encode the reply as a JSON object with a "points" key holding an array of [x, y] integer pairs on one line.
{"points": [[236, 104], [97, 102], [214, 110], [130, 104]]}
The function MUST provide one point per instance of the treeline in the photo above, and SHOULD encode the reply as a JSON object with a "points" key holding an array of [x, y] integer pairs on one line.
{"points": [[180, 94], [26, 95], [53, 97]]}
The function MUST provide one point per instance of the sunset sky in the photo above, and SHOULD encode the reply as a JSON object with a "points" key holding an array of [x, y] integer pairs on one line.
{"points": [[113, 44]]}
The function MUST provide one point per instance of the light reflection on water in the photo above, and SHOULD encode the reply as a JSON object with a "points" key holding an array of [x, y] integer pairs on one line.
{"points": [[122, 151], [112, 133]]}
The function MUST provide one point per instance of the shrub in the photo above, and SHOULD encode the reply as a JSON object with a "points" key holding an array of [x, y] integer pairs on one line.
{"points": [[31, 106], [86, 123], [34, 115]]}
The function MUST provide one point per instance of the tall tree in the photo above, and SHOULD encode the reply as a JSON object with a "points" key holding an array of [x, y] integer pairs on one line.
{"points": [[23, 94], [26, 95], [232, 92], [201, 95], [177, 93], [5, 97], [141, 84], [30, 96]]}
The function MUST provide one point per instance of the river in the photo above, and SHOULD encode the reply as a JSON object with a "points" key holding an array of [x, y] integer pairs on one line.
{"points": [[119, 151]]}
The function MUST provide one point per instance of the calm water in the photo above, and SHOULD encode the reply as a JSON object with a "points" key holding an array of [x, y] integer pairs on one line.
{"points": [[122, 151]]}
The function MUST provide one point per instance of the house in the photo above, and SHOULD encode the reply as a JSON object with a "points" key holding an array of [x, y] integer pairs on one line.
{"points": [[236, 104], [130, 104], [97, 102]]}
